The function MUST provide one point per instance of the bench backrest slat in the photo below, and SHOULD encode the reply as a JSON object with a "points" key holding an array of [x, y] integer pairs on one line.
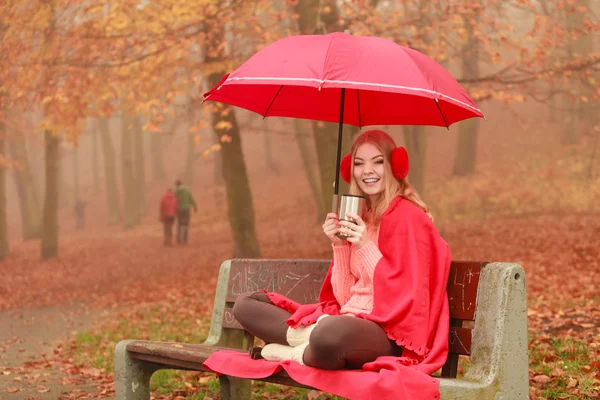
{"points": [[462, 289], [301, 280]]}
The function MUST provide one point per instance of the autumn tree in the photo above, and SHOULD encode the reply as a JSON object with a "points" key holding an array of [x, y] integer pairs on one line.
{"points": [[128, 173], [500, 51], [93, 136], [188, 175], [4, 246], [110, 173], [307, 154], [240, 207], [140, 167], [466, 151], [70, 61], [29, 203], [156, 150]]}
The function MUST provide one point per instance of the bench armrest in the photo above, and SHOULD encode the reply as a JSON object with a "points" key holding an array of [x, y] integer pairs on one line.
{"points": [[216, 322], [499, 352]]}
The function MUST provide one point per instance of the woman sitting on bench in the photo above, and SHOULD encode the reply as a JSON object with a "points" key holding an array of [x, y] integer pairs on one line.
{"points": [[383, 305]]}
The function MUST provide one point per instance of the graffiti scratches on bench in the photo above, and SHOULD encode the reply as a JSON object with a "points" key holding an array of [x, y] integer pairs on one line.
{"points": [[453, 338], [462, 289], [290, 284]]}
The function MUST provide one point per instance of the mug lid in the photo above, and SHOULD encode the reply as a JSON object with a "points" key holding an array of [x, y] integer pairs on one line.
{"points": [[353, 195]]}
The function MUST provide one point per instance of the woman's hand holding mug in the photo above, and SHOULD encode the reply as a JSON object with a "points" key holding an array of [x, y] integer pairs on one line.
{"points": [[331, 227], [356, 231]]}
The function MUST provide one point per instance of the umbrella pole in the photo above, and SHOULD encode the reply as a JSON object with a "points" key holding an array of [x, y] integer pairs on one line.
{"points": [[336, 185]]}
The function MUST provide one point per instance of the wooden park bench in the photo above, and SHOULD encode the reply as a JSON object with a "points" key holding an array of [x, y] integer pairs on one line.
{"points": [[488, 312]]}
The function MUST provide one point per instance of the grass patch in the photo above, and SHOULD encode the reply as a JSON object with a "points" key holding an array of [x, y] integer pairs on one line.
{"points": [[147, 322], [165, 381], [563, 368]]}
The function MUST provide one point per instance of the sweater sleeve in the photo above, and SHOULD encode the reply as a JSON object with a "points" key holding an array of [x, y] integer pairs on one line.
{"points": [[341, 276]]}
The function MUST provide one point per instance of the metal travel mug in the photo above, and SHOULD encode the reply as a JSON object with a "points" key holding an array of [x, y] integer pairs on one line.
{"points": [[350, 204]]}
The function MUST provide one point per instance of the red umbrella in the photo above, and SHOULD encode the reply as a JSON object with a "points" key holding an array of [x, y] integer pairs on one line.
{"points": [[356, 80]]}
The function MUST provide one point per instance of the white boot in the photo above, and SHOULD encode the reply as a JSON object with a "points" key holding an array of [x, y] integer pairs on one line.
{"points": [[276, 352], [297, 336], [279, 352]]}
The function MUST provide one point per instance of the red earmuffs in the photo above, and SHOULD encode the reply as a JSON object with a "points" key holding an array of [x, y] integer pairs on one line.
{"points": [[400, 165]]}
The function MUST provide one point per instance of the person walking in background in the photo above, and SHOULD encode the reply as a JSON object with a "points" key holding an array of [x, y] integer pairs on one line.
{"points": [[80, 214], [185, 200], [168, 210]]}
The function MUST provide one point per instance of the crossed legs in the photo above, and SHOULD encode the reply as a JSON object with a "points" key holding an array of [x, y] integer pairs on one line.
{"points": [[336, 342]]}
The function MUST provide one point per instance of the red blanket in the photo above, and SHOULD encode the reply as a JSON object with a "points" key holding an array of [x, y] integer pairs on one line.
{"points": [[409, 302]]}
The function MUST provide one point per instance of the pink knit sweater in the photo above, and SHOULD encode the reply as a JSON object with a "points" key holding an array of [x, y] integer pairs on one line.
{"points": [[352, 274]]}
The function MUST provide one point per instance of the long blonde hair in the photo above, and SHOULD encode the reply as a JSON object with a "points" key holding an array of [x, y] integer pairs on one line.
{"points": [[392, 187]]}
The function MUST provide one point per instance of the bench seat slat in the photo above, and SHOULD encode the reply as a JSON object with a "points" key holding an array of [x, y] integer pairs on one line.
{"points": [[190, 357]]}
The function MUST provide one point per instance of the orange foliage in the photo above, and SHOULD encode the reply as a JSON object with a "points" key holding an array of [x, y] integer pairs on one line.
{"points": [[73, 59]]}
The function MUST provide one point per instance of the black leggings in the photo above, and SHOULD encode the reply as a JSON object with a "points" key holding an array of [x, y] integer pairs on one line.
{"points": [[337, 342]]}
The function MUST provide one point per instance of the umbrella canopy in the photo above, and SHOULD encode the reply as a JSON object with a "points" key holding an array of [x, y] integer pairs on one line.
{"points": [[386, 84], [356, 80]]}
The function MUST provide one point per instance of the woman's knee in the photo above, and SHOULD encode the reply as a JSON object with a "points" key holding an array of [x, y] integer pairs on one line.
{"points": [[331, 335], [244, 304]]}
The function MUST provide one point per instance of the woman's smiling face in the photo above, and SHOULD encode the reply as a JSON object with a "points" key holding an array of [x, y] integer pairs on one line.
{"points": [[369, 169]]}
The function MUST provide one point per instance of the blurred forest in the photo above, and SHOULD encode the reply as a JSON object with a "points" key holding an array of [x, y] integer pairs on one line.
{"points": [[100, 105]]}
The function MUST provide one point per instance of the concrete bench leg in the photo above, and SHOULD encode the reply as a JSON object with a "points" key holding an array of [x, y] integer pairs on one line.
{"points": [[132, 377], [235, 388]]}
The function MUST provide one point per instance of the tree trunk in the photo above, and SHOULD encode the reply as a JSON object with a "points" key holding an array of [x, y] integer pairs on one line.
{"points": [[110, 173], [4, 246], [270, 163], [466, 156], [49, 246], [239, 198], [219, 180], [64, 186], [466, 151], [75, 174], [415, 138], [188, 176], [308, 161], [325, 136], [128, 173], [158, 165], [28, 199], [95, 167], [579, 116], [140, 167]]}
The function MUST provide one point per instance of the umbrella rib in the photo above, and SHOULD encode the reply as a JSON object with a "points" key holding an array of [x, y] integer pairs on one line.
{"points": [[358, 106], [441, 113], [272, 101]]}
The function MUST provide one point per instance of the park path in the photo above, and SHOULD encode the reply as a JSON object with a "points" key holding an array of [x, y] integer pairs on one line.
{"points": [[28, 339]]}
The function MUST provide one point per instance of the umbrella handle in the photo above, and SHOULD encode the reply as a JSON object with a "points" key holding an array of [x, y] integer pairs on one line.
{"points": [[334, 205]]}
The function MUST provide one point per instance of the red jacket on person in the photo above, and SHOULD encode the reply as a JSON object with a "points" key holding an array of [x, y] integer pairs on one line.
{"points": [[168, 205]]}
